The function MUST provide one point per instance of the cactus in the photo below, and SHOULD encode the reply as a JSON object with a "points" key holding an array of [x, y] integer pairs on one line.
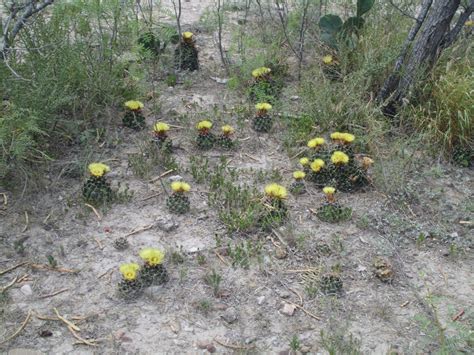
{"points": [[333, 28], [156, 42]]}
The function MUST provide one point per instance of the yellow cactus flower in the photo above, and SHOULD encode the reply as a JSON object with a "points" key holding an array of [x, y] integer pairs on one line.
{"points": [[263, 106], [336, 136], [187, 35], [327, 59], [276, 191], [347, 137], [469, 23], [304, 161], [316, 142], [152, 256], [317, 165], [339, 158], [259, 72], [161, 127], [98, 169], [134, 105], [227, 129], [203, 125], [328, 190], [298, 175], [129, 271], [180, 186]]}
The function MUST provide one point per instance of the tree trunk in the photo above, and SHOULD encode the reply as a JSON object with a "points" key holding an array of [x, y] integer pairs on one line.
{"points": [[415, 62]]}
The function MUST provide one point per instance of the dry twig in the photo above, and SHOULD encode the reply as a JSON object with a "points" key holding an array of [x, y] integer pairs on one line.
{"points": [[27, 222], [139, 230], [13, 268], [233, 346], [54, 293], [68, 323], [94, 210], [23, 325], [161, 175]]}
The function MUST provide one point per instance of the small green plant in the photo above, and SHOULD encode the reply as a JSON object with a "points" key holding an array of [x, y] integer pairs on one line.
{"points": [[177, 257], [242, 253], [133, 117], [52, 262], [199, 168], [214, 280], [333, 29], [264, 88], [178, 202], [204, 306], [336, 341], [331, 283], [201, 259], [295, 343]]}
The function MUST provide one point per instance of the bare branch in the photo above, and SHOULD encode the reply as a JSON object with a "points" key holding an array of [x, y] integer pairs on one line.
{"points": [[403, 12], [452, 35]]}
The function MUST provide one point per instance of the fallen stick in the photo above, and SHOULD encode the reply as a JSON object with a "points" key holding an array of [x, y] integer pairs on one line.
{"points": [[54, 293], [5, 198], [68, 323], [94, 210], [161, 175], [27, 222], [13, 268], [81, 340], [58, 269], [458, 315], [233, 346], [251, 157], [103, 274], [14, 281], [304, 310], [139, 230], [99, 243], [23, 325], [149, 197], [221, 258]]}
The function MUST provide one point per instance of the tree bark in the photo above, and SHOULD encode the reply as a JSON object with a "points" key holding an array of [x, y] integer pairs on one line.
{"points": [[433, 26]]}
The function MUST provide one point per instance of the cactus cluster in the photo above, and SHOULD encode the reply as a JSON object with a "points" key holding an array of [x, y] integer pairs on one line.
{"points": [[263, 88], [275, 210], [336, 163], [205, 139], [333, 29], [136, 278]]}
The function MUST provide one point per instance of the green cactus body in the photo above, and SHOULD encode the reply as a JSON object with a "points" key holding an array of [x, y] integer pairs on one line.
{"points": [[205, 140], [225, 142], [330, 284], [186, 56], [332, 212], [97, 190], [163, 142], [178, 203], [134, 119], [121, 243], [298, 187], [262, 123], [153, 275], [130, 289]]}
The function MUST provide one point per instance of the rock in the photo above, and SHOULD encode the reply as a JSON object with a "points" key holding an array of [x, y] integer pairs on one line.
{"points": [[203, 344], [166, 223], [153, 291], [26, 290], [220, 307], [260, 300], [281, 253], [284, 294], [294, 98], [230, 315], [211, 348], [250, 340], [305, 349], [175, 178], [288, 309]]}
